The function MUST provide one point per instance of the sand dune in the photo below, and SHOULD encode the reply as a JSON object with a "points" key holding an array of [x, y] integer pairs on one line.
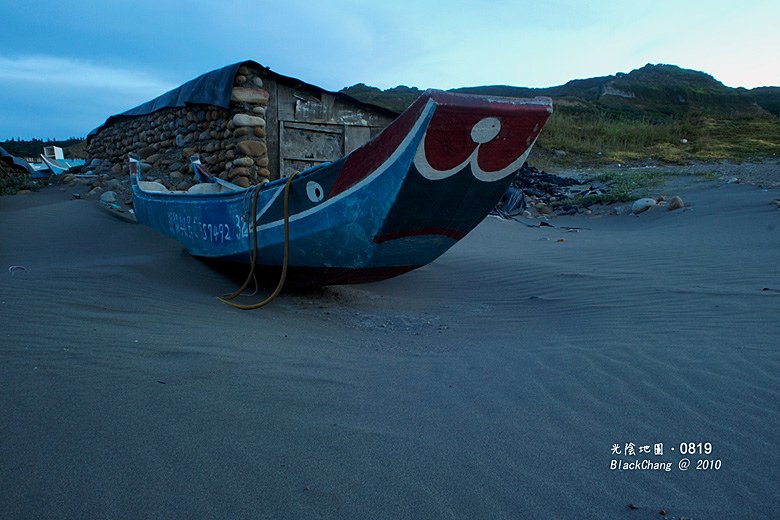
{"points": [[490, 384]]}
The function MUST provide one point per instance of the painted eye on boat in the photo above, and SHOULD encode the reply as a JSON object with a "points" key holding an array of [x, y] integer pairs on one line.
{"points": [[485, 130], [314, 191]]}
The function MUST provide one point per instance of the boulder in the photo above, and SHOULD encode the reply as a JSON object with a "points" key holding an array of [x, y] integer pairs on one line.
{"points": [[257, 96], [253, 148], [244, 131], [146, 151], [247, 120], [675, 203], [239, 172], [242, 181], [244, 161], [642, 205]]}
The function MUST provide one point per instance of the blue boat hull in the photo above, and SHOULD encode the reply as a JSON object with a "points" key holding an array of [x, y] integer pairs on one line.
{"points": [[385, 209]]}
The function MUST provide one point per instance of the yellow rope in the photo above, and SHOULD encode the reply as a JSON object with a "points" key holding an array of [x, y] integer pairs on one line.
{"points": [[254, 226]]}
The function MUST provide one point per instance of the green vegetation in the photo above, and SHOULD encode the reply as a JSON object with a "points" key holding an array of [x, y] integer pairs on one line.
{"points": [[600, 138], [655, 114], [11, 183], [626, 185]]}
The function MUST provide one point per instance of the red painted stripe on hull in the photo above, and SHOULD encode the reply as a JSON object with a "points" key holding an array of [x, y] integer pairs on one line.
{"points": [[363, 161], [309, 276], [455, 234], [317, 277]]}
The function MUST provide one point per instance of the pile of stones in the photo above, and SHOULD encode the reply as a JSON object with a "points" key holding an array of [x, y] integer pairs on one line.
{"points": [[230, 142]]}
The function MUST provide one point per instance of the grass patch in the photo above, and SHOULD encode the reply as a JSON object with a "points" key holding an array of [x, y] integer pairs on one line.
{"points": [[627, 185], [598, 138], [9, 185]]}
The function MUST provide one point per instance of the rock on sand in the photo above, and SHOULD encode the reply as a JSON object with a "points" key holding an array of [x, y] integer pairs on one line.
{"points": [[675, 203], [642, 205]]}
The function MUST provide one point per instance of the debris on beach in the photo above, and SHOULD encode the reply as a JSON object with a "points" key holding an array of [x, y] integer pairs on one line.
{"points": [[15, 268], [109, 203], [108, 197], [545, 193]]}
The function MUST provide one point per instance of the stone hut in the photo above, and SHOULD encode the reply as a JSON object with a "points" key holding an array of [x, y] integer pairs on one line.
{"points": [[246, 122]]}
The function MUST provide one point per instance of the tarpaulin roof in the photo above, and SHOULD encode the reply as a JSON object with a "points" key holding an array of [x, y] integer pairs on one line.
{"points": [[214, 88], [8, 158]]}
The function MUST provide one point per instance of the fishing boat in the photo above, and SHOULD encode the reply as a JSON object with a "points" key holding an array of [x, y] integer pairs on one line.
{"points": [[53, 166], [390, 206], [54, 163]]}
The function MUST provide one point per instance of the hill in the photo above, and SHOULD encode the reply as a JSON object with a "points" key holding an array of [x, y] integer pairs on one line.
{"points": [[656, 113]]}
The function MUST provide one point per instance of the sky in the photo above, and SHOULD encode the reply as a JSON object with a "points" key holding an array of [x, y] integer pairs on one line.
{"points": [[65, 66]]}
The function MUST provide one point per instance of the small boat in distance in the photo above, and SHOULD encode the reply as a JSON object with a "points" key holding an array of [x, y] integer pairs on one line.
{"points": [[53, 166], [390, 206], [54, 163]]}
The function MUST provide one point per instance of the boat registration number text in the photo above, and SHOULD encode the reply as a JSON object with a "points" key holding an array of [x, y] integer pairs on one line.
{"points": [[213, 232]]}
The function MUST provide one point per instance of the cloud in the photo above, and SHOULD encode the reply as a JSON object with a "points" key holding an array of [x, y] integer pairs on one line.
{"points": [[67, 72], [49, 96]]}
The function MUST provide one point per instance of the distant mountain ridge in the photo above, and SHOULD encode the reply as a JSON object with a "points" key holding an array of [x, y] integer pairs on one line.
{"points": [[654, 114], [650, 91]]}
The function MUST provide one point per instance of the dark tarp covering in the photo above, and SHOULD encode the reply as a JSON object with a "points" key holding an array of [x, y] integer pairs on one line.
{"points": [[213, 88], [511, 204], [8, 158]]}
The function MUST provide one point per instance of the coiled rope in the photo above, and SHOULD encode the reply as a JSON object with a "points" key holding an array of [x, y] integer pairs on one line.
{"points": [[253, 259]]}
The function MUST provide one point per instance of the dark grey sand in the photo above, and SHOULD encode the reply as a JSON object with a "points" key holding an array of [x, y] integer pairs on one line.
{"points": [[491, 384]]}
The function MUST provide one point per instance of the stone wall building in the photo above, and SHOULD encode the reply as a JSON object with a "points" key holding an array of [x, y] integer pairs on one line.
{"points": [[246, 122]]}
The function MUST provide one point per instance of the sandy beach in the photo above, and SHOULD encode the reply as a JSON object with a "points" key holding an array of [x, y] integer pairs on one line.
{"points": [[494, 383]]}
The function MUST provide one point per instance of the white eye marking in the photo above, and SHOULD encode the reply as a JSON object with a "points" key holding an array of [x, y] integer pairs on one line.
{"points": [[485, 130], [314, 191]]}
